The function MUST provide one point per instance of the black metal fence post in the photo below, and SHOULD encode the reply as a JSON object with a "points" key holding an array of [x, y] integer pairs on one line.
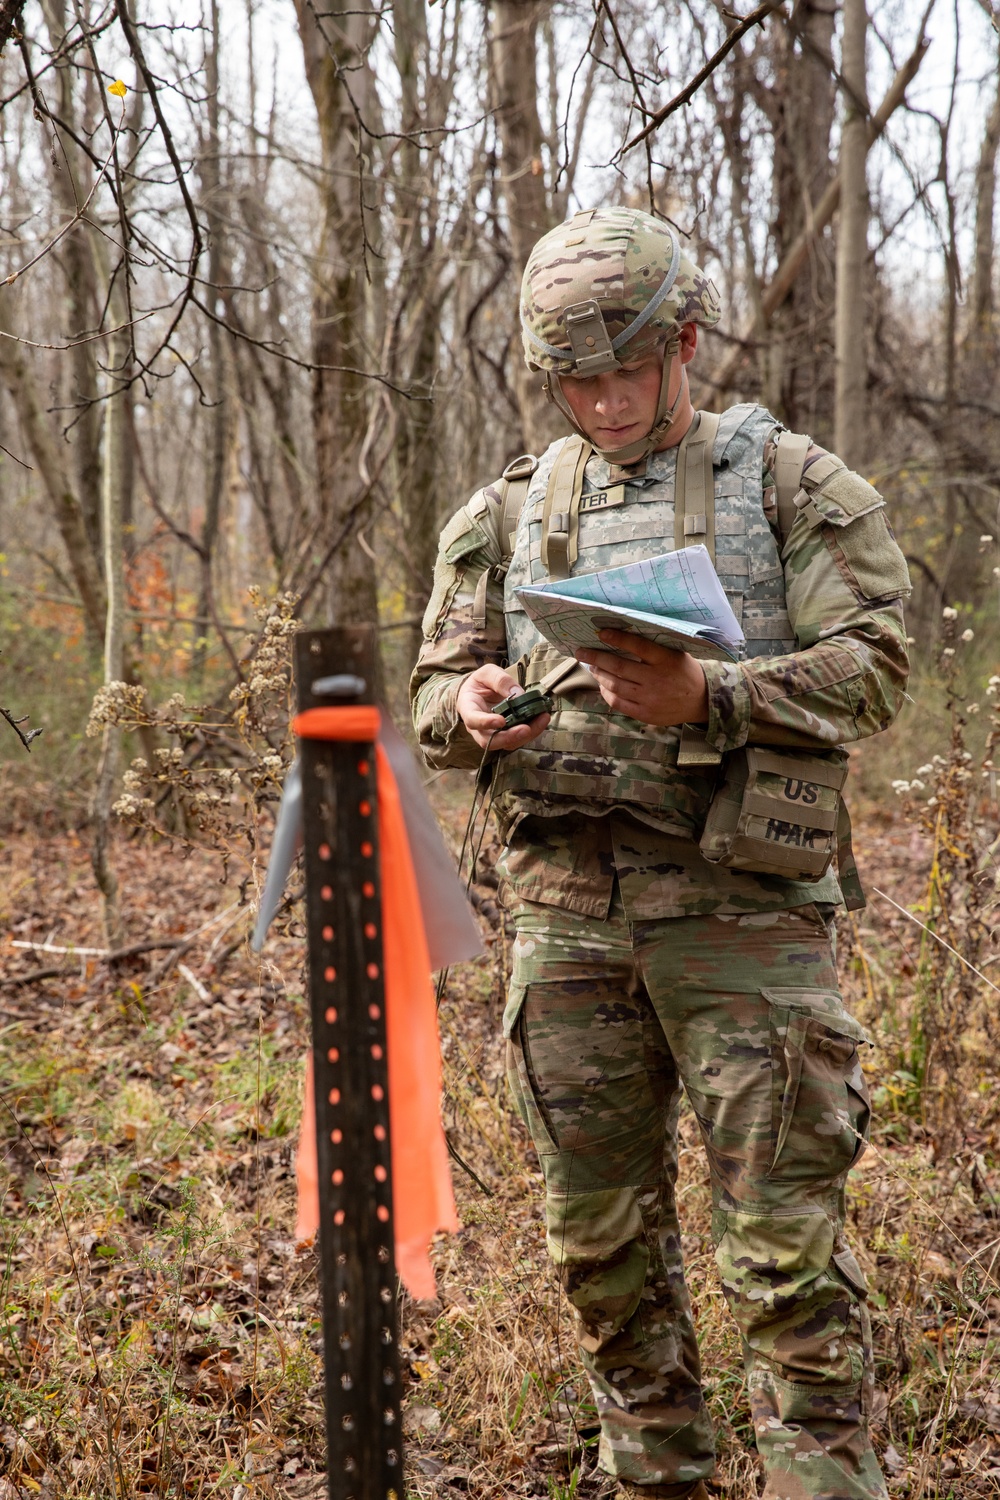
{"points": [[347, 1000]]}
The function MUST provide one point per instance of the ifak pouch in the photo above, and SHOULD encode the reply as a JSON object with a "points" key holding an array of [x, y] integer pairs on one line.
{"points": [[776, 812]]}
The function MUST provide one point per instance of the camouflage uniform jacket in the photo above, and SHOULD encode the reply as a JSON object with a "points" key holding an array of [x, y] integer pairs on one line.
{"points": [[842, 587]]}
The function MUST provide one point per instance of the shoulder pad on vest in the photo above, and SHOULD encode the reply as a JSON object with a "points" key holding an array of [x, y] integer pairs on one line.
{"points": [[468, 529], [838, 498], [478, 505], [733, 420]]}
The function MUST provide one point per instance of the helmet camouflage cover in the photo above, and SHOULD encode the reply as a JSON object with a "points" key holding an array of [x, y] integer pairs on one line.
{"points": [[608, 284]]}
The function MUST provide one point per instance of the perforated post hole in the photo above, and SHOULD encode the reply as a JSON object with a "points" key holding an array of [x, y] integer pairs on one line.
{"points": [[347, 998]]}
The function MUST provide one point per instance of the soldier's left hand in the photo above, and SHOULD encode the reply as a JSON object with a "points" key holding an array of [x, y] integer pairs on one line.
{"points": [[662, 687]]}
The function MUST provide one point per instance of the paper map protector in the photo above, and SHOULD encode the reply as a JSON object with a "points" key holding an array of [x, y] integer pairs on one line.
{"points": [[675, 599]]}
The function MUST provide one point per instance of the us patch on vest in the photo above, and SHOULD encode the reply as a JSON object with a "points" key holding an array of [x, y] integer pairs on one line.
{"points": [[776, 814]]}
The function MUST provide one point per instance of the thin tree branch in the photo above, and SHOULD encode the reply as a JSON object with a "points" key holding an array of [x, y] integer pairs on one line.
{"points": [[269, 347], [25, 738], [784, 277], [197, 243], [81, 211], [637, 95], [755, 18]]}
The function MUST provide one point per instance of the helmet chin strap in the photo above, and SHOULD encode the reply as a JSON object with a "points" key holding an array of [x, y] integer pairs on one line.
{"points": [[663, 420]]}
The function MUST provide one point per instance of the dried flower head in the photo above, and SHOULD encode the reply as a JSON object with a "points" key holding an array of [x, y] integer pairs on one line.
{"points": [[116, 703]]}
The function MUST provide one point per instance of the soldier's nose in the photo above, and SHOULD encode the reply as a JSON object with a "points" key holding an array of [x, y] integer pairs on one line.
{"points": [[611, 404]]}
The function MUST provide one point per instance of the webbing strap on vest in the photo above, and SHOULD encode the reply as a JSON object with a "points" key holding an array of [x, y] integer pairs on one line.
{"points": [[561, 513], [694, 486], [514, 484], [567, 676], [789, 457], [694, 522]]}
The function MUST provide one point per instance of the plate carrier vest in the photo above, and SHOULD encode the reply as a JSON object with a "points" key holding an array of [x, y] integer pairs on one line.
{"points": [[552, 523]]}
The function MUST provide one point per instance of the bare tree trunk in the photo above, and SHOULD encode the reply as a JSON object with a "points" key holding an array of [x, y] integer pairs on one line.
{"points": [[417, 470], [416, 445], [220, 421], [52, 464], [981, 335], [851, 322], [116, 469], [335, 43], [792, 262], [515, 82], [801, 105], [72, 175]]}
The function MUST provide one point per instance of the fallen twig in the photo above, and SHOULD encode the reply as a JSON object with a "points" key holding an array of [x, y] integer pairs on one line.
{"points": [[192, 979], [35, 976], [177, 946], [55, 948], [134, 949]]}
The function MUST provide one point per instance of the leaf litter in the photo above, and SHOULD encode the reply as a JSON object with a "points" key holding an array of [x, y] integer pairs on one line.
{"points": [[161, 1327]]}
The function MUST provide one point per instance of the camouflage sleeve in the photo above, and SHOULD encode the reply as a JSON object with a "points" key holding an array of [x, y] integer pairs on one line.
{"points": [[463, 629], [845, 578]]}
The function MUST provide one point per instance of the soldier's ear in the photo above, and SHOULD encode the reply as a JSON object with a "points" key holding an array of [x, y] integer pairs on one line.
{"points": [[689, 342]]}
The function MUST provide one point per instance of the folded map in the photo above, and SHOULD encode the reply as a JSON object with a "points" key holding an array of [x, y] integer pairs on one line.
{"points": [[675, 599]]}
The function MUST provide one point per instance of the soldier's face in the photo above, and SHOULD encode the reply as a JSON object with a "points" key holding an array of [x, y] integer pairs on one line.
{"points": [[619, 407]]}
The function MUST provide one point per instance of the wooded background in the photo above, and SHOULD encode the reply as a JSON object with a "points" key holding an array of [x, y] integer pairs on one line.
{"points": [[258, 310], [258, 338]]}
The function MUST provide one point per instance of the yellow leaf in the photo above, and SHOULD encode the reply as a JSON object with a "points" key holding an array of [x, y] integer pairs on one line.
{"points": [[118, 88]]}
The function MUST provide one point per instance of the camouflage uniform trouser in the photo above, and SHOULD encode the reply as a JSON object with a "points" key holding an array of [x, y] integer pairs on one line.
{"points": [[606, 1020]]}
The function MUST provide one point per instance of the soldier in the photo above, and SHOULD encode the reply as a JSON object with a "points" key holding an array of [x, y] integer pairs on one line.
{"points": [[674, 919]]}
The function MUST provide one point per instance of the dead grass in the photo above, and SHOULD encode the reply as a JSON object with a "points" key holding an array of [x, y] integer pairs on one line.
{"points": [[159, 1331], [159, 1328]]}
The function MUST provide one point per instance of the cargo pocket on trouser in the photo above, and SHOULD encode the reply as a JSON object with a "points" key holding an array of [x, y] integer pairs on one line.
{"points": [[821, 1111]]}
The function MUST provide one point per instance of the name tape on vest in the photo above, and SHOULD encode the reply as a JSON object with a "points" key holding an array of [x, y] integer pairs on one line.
{"points": [[603, 499]]}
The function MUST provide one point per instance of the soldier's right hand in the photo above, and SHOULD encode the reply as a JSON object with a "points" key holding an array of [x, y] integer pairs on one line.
{"points": [[481, 690]]}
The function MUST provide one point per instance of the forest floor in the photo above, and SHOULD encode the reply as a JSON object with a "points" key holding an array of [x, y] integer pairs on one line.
{"points": [[159, 1329]]}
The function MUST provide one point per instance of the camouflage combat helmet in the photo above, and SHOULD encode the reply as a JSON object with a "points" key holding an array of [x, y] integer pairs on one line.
{"points": [[610, 284]]}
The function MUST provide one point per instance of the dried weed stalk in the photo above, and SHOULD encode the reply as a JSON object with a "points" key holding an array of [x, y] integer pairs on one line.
{"points": [[207, 787], [952, 802]]}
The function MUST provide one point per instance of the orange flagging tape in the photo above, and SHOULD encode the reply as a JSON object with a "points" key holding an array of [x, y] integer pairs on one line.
{"points": [[423, 1202]]}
